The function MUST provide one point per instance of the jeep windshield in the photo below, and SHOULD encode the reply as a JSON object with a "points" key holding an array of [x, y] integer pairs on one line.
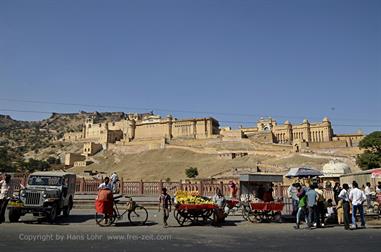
{"points": [[45, 181]]}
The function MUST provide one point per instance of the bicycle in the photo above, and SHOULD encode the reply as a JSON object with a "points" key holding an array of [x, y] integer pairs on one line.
{"points": [[137, 215]]}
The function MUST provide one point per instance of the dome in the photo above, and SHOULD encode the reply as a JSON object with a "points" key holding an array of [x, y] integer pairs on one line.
{"points": [[286, 122], [325, 119], [335, 169], [305, 121]]}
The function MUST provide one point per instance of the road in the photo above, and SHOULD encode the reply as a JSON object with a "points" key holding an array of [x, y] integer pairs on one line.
{"points": [[80, 233]]}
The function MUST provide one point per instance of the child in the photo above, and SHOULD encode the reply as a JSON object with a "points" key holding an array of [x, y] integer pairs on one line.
{"points": [[165, 202]]}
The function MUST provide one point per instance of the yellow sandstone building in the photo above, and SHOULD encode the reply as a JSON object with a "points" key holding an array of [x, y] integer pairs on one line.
{"points": [[145, 127], [137, 127]]}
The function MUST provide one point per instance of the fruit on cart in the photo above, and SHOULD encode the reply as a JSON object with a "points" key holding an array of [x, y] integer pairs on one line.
{"points": [[184, 197]]}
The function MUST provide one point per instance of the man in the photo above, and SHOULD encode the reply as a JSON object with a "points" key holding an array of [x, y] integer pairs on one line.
{"points": [[336, 192], [378, 188], [312, 206], [320, 205], [5, 193], [344, 196], [114, 178], [368, 194], [302, 203], [106, 184], [165, 202], [357, 197], [292, 194]]}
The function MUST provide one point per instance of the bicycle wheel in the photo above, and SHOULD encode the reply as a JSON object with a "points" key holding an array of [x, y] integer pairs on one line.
{"points": [[104, 220], [138, 216]]}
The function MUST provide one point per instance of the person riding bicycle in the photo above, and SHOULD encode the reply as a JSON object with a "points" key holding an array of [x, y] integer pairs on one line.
{"points": [[106, 184]]}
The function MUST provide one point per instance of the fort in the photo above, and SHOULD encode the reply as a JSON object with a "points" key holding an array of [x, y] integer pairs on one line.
{"points": [[149, 128]]}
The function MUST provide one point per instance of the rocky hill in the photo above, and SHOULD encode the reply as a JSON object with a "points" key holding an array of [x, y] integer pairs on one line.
{"points": [[38, 139]]}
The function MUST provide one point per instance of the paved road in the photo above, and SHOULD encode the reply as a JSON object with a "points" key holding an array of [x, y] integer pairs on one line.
{"points": [[80, 233]]}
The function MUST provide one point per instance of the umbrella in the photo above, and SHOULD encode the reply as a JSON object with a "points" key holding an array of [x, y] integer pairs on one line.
{"points": [[376, 174], [303, 172]]}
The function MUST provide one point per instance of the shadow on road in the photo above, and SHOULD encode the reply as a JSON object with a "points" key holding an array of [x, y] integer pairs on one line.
{"points": [[128, 224], [61, 220]]}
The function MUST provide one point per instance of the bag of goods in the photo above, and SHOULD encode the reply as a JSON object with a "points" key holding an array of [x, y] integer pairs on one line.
{"points": [[105, 195], [104, 202]]}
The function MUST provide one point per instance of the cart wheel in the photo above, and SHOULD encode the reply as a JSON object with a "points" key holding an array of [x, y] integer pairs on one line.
{"points": [[277, 217], [245, 209], [182, 217], [253, 216]]}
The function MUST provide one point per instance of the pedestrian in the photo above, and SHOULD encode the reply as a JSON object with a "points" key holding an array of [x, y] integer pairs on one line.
{"points": [[114, 179], [292, 192], [378, 188], [344, 196], [336, 192], [312, 206], [368, 194], [106, 184], [233, 189], [357, 197], [320, 205], [166, 204], [5, 193], [302, 204]]}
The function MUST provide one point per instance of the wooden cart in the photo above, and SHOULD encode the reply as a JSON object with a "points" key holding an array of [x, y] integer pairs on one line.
{"points": [[192, 214]]}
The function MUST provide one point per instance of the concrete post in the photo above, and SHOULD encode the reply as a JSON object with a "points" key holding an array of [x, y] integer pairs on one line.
{"points": [[141, 187], [121, 184]]}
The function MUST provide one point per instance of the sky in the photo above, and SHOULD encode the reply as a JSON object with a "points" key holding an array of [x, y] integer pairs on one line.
{"points": [[233, 60]]}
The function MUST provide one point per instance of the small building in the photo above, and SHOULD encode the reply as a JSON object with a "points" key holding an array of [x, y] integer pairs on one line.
{"points": [[70, 158], [82, 163], [91, 148], [231, 155]]}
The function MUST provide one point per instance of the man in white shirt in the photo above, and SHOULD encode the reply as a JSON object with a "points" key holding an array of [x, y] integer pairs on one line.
{"points": [[368, 193], [5, 191], [106, 184], [378, 188], [357, 197], [292, 194], [344, 196]]}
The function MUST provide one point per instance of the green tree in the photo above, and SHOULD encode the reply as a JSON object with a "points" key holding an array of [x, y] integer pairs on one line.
{"points": [[191, 172], [371, 158]]}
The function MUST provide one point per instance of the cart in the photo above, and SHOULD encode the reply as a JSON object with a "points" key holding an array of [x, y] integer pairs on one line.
{"points": [[258, 204], [265, 211], [195, 214]]}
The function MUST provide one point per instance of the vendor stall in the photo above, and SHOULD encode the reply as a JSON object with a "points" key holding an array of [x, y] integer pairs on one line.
{"points": [[257, 191]]}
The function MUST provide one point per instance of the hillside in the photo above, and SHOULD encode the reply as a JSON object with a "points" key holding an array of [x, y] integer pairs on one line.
{"points": [[171, 163], [20, 140]]}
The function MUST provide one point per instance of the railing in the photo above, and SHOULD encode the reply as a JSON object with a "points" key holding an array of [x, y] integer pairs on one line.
{"points": [[142, 188]]}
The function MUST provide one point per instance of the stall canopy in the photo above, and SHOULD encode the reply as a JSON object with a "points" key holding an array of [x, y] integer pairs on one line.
{"points": [[303, 172], [258, 177]]}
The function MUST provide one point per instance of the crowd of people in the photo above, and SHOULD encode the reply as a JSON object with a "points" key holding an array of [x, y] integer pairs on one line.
{"points": [[309, 202]]}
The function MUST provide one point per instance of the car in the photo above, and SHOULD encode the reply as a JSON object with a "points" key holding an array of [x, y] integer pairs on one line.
{"points": [[45, 196]]}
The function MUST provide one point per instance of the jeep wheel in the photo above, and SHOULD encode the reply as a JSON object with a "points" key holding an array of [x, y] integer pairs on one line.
{"points": [[66, 210], [14, 215], [53, 214]]}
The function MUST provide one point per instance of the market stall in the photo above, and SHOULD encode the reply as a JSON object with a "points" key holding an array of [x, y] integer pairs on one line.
{"points": [[257, 191]]}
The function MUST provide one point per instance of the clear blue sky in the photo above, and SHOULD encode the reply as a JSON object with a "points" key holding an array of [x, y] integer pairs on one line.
{"points": [[286, 59]]}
